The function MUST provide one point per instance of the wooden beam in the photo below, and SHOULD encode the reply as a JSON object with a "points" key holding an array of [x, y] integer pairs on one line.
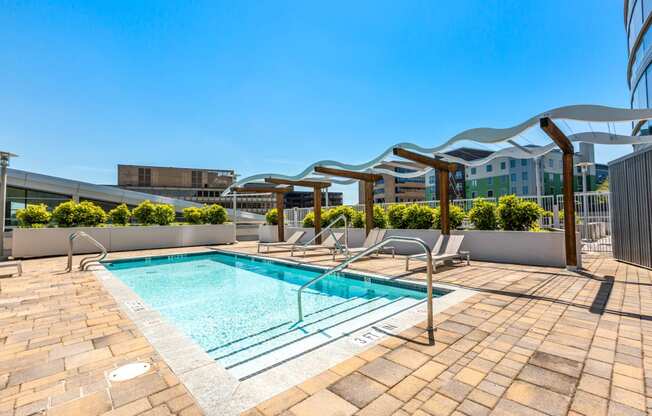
{"points": [[566, 147], [316, 209], [262, 190], [556, 135], [443, 203], [361, 176], [424, 160], [280, 208], [443, 169], [368, 206], [303, 182]]}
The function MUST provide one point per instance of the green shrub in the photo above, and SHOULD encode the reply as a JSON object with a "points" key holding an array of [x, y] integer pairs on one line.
{"points": [[88, 214], [380, 218], [193, 215], [309, 220], [455, 217], [164, 214], [329, 215], [395, 215], [271, 217], [83, 214], [515, 214], [215, 214], [418, 216], [120, 215], [483, 215], [35, 216], [144, 213], [63, 214]]}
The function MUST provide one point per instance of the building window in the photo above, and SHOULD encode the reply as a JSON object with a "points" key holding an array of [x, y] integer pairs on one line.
{"points": [[512, 163], [144, 177], [524, 176], [490, 181], [551, 176], [579, 169], [513, 177], [197, 178], [503, 165], [474, 194], [551, 163], [431, 179], [523, 162], [489, 168], [513, 190], [474, 183], [473, 171], [490, 193], [459, 174], [525, 190]]}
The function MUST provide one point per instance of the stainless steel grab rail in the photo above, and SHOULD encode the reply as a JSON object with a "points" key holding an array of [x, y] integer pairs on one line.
{"points": [[328, 228], [341, 266], [83, 264]]}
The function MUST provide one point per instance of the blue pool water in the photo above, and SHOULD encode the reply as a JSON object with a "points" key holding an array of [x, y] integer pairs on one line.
{"points": [[238, 308]]}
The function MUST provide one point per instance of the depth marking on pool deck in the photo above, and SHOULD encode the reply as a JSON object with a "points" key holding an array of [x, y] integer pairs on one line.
{"points": [[374, 334]]}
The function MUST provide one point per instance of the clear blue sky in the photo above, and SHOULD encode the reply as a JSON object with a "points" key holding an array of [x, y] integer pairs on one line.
{"points": [[272, 86]]}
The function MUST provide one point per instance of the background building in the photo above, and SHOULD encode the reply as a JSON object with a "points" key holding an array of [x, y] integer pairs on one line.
{"points": [[205, 186], [391, 189], [506, 176], [639, 42], [457, 181]]}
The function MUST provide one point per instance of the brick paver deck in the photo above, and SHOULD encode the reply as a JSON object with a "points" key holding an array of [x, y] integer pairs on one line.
{"points": [[532, 341]]}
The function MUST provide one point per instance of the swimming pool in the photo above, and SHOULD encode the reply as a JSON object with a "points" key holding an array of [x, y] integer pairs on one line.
{"points": [[242, 310]]}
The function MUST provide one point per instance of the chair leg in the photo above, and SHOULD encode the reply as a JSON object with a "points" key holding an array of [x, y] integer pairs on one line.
{"points": [[468, 259], [407, 264], [20, 269]]}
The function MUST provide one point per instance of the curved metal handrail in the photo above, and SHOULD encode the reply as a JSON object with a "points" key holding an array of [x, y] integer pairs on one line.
{"points": [[341, 266], [328, 228], [83, 264]]}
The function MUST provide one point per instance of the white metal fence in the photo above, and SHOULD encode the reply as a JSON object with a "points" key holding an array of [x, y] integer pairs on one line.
{"points": [[592, 214]]}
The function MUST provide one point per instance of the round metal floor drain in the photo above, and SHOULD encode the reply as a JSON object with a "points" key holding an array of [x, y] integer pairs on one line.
{"points": [[128, 371]]}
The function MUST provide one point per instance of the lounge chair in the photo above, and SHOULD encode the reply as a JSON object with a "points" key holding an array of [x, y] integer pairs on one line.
{"points": [[16, 263], [375, 236], [293, 240], [447, 247], [332, 243]]}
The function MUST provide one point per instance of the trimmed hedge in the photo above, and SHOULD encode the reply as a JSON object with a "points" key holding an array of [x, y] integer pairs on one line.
{"points": [[483, 215], [83, 214], [35, 216], [120, 215], [516, 214]]}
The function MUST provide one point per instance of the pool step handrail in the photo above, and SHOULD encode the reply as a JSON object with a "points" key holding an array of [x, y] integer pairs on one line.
{"points": [[328, 229], [86, 261], [370, 249]]}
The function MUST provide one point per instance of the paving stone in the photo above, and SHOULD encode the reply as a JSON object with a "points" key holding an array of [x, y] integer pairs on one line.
{"points": [[324, 403], [510, 408], [128, 391], [407, 388], [588, 404], [470, 376], [91, 405], [439, 405], [556, 363], [407, 357], [628, 398], [319, 382], [430, 370], [387, 372], [36, 372], [131, 409], [538, 398], [280, 402], [550, 380], [385, 405], [455, 390], [597, 386], [358, 389]]}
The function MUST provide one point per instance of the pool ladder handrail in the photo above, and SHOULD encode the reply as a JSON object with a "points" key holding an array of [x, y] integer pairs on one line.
{"points": [[83, 264], [371, 249], [338, 245]]}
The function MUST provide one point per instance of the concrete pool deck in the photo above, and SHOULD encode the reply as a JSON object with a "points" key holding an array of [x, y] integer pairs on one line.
{"points": [[532, 341]]}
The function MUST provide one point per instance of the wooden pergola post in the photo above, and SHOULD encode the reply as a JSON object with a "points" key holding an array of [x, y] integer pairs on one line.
{"points": [[368, 179], [444, 168], [316, 203], [279, 194], [568, 151]]}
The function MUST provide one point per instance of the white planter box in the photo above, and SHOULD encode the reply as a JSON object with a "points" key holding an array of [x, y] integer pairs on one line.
{"points": [[37, 242]]}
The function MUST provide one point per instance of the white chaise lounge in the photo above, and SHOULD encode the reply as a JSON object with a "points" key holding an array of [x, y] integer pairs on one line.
{"points": [[15, 264], [292, 241], [331, 243], [447, 247]]}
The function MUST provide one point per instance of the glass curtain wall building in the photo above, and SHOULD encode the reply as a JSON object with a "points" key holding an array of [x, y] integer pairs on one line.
{"points": [[638, 15]]}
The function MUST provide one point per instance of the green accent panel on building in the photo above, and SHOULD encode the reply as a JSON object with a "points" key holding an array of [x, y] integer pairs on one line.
{"points": [[499, 185]]}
